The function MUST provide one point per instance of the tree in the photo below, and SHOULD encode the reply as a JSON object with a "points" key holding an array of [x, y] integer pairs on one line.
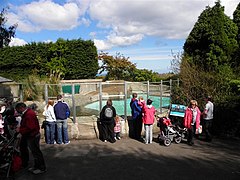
{"points": [[6, 34], [212, 41], [236, 20], [117, 68], [57, 62]]}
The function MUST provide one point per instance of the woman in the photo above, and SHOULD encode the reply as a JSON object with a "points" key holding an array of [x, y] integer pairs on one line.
{"points": [[192, 120], [50, 122], [107, 116], [148, 120]]}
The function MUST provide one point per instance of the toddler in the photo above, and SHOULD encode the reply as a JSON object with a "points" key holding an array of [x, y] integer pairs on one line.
{"points": [[117, 128]]}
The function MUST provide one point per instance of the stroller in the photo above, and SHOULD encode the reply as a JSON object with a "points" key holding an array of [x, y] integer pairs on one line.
{"points": [[168, 132], [10, 161]]}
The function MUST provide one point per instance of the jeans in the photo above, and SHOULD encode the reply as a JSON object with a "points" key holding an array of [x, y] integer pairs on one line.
{"points": [[62, 131], [148, 133], [50, 132], [207, 129]]}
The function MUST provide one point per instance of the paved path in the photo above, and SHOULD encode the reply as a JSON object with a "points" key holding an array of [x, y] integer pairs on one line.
{"points": [[130, 159]]}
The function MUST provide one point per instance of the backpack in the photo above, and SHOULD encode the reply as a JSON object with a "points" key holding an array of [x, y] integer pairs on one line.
{"points": [[108, 113]]}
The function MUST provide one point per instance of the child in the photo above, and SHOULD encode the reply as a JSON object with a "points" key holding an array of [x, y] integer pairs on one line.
{"points": [[117, 128], [141, 101]]}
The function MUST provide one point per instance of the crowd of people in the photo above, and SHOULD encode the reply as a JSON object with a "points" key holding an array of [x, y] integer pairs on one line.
{"points": [[23, 121]]}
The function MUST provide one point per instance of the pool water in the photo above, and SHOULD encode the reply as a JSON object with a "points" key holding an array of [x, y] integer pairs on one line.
{"points": [[119, 104]]}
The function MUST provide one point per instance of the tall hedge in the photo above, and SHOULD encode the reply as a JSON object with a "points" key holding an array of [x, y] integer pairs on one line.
{"points": [[18, 62]]}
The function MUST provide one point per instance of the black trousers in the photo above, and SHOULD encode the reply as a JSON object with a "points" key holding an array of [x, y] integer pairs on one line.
{"points": [[33, 144], [191, 132], [207, 127], [137, 127], [108, 132]]}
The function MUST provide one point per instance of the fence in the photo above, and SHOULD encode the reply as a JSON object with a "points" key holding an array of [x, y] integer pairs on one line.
{"points": [[86, 97]]}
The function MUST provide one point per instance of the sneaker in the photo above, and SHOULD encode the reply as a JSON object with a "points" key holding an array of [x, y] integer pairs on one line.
{"points": [[67, 142], [31, 169], [105, 141], [38, 171], [118, 138]]}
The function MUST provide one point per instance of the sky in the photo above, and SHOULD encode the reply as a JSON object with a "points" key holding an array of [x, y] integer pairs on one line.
{"points": [[149, 32]]}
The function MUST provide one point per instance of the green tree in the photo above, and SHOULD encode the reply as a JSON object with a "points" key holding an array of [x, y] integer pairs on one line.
{"points": [[117, 67], [212, 41], [236, 20], [6, 34], [57, 62]]}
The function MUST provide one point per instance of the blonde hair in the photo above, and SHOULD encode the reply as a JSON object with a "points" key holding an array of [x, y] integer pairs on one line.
{"points": [[193, 102], [140, 98]]}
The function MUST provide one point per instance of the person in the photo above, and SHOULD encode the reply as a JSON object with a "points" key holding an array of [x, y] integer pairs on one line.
{"points": [[107, 116], [30, 138], [50, 124], [192, 120], [148, 120], [62, 112], [136, 111], [117, 128], [208, 117]]}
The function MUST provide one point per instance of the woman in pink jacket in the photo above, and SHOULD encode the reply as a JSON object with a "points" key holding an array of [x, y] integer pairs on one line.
{"points": [[148, 120], [192, 120]]}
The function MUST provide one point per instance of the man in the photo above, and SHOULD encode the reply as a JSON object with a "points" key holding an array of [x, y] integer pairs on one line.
{"points": [[136, 117], [62, 112], [208, 117], [30, 138]]}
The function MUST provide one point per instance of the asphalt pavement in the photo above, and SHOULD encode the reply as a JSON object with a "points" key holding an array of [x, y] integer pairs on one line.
{"points": [[131, 159]]}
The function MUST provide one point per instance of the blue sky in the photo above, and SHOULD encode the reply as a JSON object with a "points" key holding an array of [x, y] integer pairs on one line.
{"points": [[146, 31]]}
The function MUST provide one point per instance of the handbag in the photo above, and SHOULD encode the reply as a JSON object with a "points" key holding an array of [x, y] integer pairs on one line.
{"points": [[199, 130], [44, 123]]}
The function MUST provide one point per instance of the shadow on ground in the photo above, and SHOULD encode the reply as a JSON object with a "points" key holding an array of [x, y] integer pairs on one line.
{"points": [[130, 159]]}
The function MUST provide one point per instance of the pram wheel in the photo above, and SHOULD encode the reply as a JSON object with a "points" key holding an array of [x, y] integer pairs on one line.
{"points": [[167, 142], [178, 139]]}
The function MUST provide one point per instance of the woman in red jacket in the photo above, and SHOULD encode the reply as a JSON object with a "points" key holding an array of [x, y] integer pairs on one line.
{"points": [[192, 120]]}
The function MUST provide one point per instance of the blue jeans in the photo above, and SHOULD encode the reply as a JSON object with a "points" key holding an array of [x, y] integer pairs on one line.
{"points": [[50, 132], [62, 132]]}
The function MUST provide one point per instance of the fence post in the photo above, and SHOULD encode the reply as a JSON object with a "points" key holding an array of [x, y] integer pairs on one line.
{"points": [[21, 92], [161, 94], [148, 89], [73, 103], [46, 93], [125, 100], [100, 96]]}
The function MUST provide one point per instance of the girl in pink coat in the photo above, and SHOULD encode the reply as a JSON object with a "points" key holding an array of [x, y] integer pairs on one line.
{"points": [[148, 120], [192, 120]]}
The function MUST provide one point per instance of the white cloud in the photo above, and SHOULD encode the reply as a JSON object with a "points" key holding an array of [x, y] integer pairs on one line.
{"points": [[45, 14], [170, 19], [17, 42]]}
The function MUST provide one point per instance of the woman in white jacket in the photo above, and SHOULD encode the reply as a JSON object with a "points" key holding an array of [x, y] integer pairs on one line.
{"points": [[50, 123]]}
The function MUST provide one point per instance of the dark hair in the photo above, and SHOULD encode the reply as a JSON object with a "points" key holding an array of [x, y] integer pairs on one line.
{"points": [[20, 105], [134, 95], [209, 98], [149, 102], [59, 96], [109, 102]]}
